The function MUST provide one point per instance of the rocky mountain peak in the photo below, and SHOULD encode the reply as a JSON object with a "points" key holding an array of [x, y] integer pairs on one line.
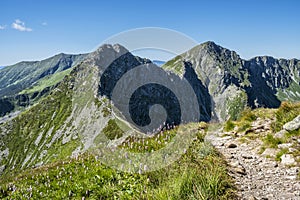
{"points": [[106, 54], [117, 48], [216, 50]]}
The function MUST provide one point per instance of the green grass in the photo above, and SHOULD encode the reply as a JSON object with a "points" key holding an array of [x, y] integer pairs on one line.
{"points": [[248, 115], [41, 120], [286, 113], [264, 113], [199, 174], [175, 65], [237, 105], [272, 142], [112, 130], [47, 82], [291, 90], [229, 126], [280, 153], [243, 122], [106, 111], [98, 103]]}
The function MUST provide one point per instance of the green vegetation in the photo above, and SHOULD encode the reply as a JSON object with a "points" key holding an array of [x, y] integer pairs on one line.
{"points": [[30, 133], [175, 65], [286, 113], [15, 78], [98, 103], [229, 126], [272, 142], [280, 153], [246, 117], [237, 105], [150, 144], [47, 81], [106, 110], [199, 174], [290, 93], [112, 130]]}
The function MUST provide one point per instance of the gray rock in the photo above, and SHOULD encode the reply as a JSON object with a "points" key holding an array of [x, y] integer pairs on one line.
{"points": [[287, 159], [285, 145], [280, 134], [270, 152], [225, 76], [234, 163], [293, 125], [291, 150]]}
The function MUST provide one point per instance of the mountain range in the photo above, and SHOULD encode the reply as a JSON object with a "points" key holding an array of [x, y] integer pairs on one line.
{"points": [[67, 107], [233, 83], [159, 62], [24, 82]]}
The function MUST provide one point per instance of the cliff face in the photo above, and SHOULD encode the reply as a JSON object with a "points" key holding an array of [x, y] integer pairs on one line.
{"points": [[232, 82]]}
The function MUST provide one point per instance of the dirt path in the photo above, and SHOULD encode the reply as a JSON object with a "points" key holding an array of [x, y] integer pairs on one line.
{"points": [[255, 176]]}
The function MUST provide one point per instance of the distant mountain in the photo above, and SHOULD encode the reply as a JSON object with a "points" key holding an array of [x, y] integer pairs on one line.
{"points": [[234, 83], [158, 62], [2, 67], [21, 84], [15, 78]]}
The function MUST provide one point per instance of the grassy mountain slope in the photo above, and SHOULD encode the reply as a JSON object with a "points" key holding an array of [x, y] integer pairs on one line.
{"points": [[24, 83], [67, 121], [15, 78], [199, 174]]}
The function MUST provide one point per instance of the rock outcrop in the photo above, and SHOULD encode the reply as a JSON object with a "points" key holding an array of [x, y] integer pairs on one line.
{"points": [[292, 125]]}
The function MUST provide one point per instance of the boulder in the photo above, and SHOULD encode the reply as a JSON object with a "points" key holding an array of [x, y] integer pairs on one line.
{"points": [[287, 159], [280, 134], [292, 125]]}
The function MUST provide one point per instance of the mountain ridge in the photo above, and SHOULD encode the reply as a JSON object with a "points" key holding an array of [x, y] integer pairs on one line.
{"points": [[266, 81], [24, 83], [33, 71], [65, 122], [78, 114]]}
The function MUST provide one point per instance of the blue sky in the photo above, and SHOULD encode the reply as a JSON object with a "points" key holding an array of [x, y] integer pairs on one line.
{"points": [[37, 29]]}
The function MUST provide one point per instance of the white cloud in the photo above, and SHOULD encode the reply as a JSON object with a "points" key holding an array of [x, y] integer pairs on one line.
{"points": [[44, 23], [2, 27], [20, 26]]}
